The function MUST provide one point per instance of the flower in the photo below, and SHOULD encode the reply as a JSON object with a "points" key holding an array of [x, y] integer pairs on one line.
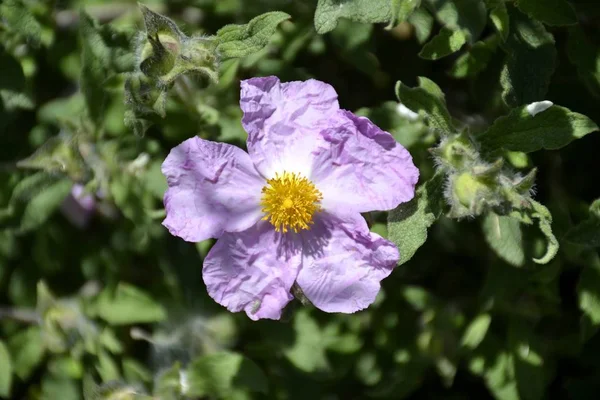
{"points": [[288, 211]]}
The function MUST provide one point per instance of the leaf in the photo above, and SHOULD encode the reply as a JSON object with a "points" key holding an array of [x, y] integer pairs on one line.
{"points": [[241, 40], [542, 214], [530, 59], [550, 12], [588, 290], [500, 19], [423, 24], [6, 371], [107, 367], [587, 233], [428, 100], [402, 10], [27, 350], [366, 11], [20, 19], [219, 374], [44, 204], [408, 223], [468, 16], [476, 331], [550, 129], [60, 388], [443, 44], [308, 350], [586, 57], [128, 305], [476, 60], [503, 235]]}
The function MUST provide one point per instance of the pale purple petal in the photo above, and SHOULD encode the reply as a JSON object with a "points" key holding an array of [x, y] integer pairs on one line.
{"points": [[213, 188], [360, 168], [253, 271], [283, 121], [343, 263]]}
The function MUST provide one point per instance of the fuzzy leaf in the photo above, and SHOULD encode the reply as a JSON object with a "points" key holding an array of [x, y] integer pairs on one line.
{"points": [[5, 371], [476, 60], [503, 235], [443, 44], [550, 129], [423, 24], [241, 40], [402, 10], [20, 19], [428, 100], [500, 19], [408, 223], [366, 11], [550, 12], [468, 16], [128, 305], [220, 374], [530, 59]]}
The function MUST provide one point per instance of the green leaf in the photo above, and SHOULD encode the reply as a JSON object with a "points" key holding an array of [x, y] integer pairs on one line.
{"points": [[60, 388], [587, 233], [500, 19], [588, 289], [107, 367], [128, 305], [220, 374], [27, 350], [423, 24], [443, 44], [44, 204], [586, 57], [308, 350], [503, 235], [6, 371], [524, 130], [476, 331], [402, 10], [241, 40], [11, 73], [542, 214], [550, 12], [366, 11], [468, 16], [476, 60], [530, 59], [20, 19], [134, 371], [408, 223], [427, 100]]}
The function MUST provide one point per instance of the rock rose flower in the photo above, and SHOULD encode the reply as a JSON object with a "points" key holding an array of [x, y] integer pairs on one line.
{"points": [[288, 211]]}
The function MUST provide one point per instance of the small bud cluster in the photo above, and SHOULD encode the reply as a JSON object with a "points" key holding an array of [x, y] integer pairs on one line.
{"points": [[475, 186]]}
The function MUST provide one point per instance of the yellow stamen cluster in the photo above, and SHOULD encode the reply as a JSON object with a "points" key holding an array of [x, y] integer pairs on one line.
{"points": [[289, 201]]}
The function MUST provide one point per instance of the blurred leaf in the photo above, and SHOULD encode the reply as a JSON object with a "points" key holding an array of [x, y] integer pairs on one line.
{"points": [[530, 59], [308, 351], [468, 16], [27, 350], [402, 10], [366, 11], [6, 371], [550, 129], [241, 40], [60, 388], [586, 57], [408, 223], [500, 19], [168, 383], [66, 367], [476, 331], [588, 290], [476, 59], [19, 18], [43, 204], [586, 233], [503, 235], [11, 73], [107, 367], [219, 374], [427, 100], [443, 44], [134, 371], [550, 12], [423, 24], [128, 305]]}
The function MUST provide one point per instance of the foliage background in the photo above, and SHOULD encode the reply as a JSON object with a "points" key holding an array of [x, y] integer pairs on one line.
{"points": [[97, 298]]}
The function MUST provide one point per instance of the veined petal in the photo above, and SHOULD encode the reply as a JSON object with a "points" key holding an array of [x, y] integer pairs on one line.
{"points": [[213, 188], [360, 168], [343, 263], [252, 271], [283, 121]]}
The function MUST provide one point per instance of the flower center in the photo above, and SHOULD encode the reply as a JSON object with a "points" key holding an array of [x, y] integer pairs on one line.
{"points": [[290, 201]]}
